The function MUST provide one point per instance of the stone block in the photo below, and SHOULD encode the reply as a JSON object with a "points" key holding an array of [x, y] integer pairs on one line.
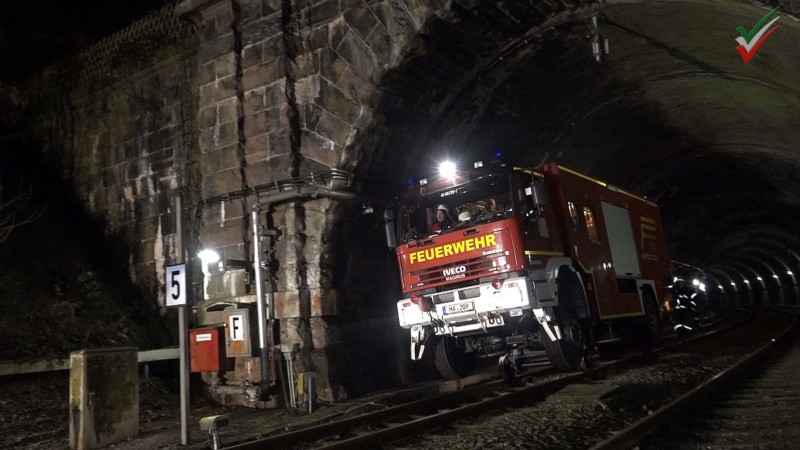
{"points": [[226, 284], [279, 144], [305, 65], [227, 134], [355, 87], [317, 38], [334, 129], [320, 149], [229, 157], [359, 56], [263, 74], [269, 7], [217, 47], [324, 302], [246, 368], [104, 397], [252, 54], [380, 43], [253, 101], [250, 10], [306, 90], [219, 183], [227, 110], [334, 100], [289, 304], [321, 12], [361, 20], [256, 148], [260, 30], [310, 116]]}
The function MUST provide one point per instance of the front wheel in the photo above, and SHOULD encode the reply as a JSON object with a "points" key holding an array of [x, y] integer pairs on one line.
{"points": [[568, 352], [451, 360]]}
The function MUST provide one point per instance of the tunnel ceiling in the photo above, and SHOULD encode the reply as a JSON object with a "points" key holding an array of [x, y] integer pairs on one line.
{"points": [[672, 111]]}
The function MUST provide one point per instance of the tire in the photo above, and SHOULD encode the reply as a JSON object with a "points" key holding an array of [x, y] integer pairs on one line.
{"points": [[568, 352], [641, 333], [650, 323], [451, 361]]}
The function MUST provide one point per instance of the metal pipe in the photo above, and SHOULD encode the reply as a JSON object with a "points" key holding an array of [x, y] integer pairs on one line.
{"points": [[302, 193], [262, 323]]}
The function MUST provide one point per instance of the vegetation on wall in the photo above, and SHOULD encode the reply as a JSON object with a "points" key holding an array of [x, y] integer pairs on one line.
{"points": [[64, 283]]}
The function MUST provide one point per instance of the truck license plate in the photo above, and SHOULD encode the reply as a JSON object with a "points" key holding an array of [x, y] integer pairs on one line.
{"points": [[457, 308]]}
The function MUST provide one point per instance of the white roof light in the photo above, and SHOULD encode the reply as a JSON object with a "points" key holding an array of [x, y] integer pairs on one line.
{"points": [[447, 169]]}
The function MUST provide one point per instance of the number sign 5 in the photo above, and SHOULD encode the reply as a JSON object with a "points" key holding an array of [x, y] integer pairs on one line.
{"points": [[176, 285]]}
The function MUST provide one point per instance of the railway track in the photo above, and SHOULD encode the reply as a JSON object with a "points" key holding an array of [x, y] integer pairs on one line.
{"points": [[395, 424], [754, 404]]}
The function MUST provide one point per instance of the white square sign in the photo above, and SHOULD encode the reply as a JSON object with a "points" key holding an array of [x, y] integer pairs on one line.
{"points": [[176, 285]]}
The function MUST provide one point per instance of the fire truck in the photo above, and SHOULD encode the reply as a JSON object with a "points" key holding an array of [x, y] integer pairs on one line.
{"points": [[534, 266]]}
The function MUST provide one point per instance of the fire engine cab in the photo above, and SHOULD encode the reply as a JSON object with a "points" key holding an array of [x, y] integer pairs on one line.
{"points": [[530, 265]]}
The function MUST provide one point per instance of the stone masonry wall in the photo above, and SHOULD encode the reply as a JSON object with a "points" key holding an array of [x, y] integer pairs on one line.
{"points": [[288, 89], [119, 118]]}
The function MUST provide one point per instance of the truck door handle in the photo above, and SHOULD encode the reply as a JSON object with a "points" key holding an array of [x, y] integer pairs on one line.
{"points": [[470, 231]]}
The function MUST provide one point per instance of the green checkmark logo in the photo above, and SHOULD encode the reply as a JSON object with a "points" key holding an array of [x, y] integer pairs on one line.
{"points": [[750, 41], [749, 35]]}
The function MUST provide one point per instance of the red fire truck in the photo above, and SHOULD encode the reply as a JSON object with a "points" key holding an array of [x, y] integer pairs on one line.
{"points": [[535, 265]]}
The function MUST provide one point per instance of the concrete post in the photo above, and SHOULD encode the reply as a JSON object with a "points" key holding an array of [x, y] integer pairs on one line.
{"points": [[103, 397]]}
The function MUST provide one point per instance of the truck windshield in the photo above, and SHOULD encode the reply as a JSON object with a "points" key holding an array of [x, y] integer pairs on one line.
{"points": [[479, 201]]}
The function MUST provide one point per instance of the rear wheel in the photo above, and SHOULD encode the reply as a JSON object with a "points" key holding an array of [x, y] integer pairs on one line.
{"points": [[651, 326], [451, 360], [568, 352], [641, 333]]}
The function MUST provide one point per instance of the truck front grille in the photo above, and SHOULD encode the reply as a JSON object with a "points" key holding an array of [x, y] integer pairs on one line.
{"points": [[464, 270]]}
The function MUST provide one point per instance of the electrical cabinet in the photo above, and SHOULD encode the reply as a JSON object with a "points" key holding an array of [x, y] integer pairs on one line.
{"points": [[207, 349]]}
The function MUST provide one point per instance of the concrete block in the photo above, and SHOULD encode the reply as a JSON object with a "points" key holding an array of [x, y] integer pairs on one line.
{"points": [[103, 397]]}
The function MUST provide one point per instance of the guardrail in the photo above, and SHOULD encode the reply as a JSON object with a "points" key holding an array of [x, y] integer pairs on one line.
{"points": [[56, 364]]}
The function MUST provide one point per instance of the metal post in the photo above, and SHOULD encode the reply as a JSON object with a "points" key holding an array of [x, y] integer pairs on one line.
{"points": [[183, 333], [262, 321]]}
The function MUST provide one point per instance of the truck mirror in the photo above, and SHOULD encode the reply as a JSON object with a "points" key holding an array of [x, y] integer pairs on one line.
{"points": [[390, 227], [538, 193]]}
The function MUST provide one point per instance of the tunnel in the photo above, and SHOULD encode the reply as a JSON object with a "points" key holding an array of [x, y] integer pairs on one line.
{"points": [[651, 96]]}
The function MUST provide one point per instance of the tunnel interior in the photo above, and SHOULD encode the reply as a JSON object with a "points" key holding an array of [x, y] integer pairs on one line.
{"points": [[671, 112]]}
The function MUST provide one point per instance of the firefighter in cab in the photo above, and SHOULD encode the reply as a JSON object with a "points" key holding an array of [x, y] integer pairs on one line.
{"points": [[442, 219]]}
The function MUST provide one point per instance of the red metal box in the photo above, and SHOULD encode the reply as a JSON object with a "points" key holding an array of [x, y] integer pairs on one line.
{"points": [[207, 349]]}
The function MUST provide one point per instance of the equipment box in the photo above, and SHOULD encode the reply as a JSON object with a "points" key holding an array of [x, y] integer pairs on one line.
{"points": [[207, 349]]}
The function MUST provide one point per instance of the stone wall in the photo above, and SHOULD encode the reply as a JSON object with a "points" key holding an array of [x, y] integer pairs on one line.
{"points": [[119, 119], [287, 90]]}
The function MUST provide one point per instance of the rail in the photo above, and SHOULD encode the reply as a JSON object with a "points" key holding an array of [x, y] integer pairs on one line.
{"points": [[57, 364]]}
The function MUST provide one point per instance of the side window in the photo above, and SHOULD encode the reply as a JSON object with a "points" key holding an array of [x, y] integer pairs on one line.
{"points": [[591, 226], [573, 216]]}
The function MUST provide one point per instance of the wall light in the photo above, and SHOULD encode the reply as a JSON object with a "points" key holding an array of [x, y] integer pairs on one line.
{"points": [[208, 256]]}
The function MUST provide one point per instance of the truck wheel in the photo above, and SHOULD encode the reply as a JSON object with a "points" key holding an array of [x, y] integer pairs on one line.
{"points": [[651, 323], [451, 361], [508, 370], [566, 353], [641, 333]]}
